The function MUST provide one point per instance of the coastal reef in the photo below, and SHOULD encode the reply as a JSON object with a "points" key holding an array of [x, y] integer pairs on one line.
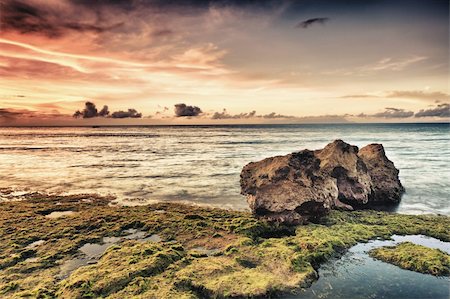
{"points": [[84, 246], [306, 185], [414, 257]]}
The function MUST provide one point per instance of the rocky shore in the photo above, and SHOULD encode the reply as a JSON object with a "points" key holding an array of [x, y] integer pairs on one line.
{"points": [[84, 247], [305, 210]]}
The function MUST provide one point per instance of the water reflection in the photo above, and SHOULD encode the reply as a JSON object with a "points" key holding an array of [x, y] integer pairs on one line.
{"points": [[89, 253]]}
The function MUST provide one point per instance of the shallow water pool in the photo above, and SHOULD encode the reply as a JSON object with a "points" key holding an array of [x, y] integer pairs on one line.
{"points": [[357, 275]]}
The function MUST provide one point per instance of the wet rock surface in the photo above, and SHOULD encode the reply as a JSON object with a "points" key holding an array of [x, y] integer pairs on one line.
{"points": [[305, 185]]}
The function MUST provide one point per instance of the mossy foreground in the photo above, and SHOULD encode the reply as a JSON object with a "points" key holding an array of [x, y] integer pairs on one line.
{"points": [[414, 257], [202, 253]]}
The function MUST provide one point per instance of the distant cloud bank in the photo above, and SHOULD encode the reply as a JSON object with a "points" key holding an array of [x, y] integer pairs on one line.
{"points": [[90, 111], [394, 113], [410, 94], [225, 115], [441, 110]]}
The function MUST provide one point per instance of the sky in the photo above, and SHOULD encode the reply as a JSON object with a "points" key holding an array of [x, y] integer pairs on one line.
{"points": [[82, 62]]}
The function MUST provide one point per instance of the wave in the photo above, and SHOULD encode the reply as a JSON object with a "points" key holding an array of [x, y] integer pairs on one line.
{"points": [[58, 135]]}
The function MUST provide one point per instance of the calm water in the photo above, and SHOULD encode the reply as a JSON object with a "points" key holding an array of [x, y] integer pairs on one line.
{"points": [[202, 164], [357, 275]]}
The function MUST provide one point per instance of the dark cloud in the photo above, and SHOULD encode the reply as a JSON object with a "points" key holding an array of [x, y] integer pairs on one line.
{"points": [[417, 94], [185, 110], [309, 22], [57, 19], [441, 110], [393, 113], [131, 113], [53, 22], [90, 111], [104, 112]]}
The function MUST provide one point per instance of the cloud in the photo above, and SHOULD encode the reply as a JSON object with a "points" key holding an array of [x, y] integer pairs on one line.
{"points": [[90, 110], [330, 119], [131, 113], [418, 94], [9, 114], [276, 115], [161, 110], [225, 115], [358, 96], [162, 32], [6, 113], [52, 21], [104, 111], [309, 22], [273, 117], [185, 110], [393, 113], [441, 110], [413, 94], [392, 64]]}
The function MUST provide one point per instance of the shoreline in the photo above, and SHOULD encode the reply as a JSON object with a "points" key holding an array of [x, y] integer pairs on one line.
{"points": [[250, 125], [21, 195], [199, 251]]}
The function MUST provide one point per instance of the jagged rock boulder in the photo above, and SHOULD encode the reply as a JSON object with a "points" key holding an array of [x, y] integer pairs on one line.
{"points": [[289, 188], [301, 186], [386, 186]]}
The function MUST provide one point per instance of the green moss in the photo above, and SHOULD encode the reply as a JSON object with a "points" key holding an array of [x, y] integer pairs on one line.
{"points": [[414, 257], [264, 258], [10, 287], [112, 273]]}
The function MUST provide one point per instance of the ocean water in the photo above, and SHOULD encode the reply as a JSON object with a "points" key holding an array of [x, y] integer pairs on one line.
{"points": [[201, 164]]}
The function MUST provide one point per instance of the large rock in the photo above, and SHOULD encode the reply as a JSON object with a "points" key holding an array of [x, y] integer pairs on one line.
{"points": [[301, 186]]}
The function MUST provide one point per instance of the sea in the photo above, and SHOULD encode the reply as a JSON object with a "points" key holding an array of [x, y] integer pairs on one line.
{"points": [[202, 164]]}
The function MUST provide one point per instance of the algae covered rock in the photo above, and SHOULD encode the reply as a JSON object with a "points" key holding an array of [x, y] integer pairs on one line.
{"points": [[301, 186], [415, 257], [256, 260]]}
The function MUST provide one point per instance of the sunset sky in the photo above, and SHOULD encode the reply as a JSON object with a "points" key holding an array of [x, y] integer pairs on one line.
{"points": [[261, 61]]}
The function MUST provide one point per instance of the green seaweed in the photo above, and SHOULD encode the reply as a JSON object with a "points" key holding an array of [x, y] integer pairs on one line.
{"points": [[266, 259], [414, 257]]}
